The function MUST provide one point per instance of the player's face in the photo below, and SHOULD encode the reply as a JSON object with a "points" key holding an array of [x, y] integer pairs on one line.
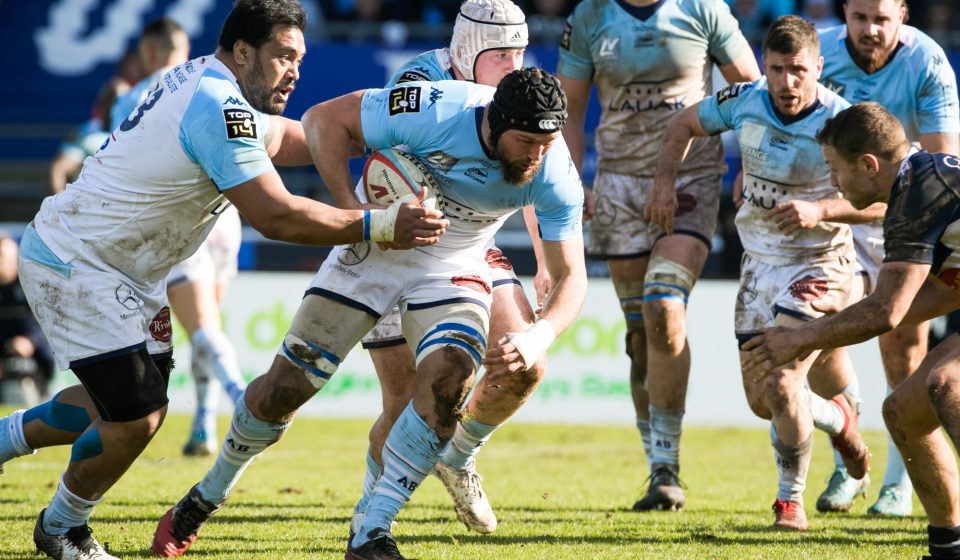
{"points": [[521, 154], [792, 79], [492, 66], [874, 28], [855, 184], [274, 70]]}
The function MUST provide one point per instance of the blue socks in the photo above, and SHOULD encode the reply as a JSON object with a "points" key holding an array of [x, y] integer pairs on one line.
{"points": [[247, 438], [411, 451], [466, 442]]}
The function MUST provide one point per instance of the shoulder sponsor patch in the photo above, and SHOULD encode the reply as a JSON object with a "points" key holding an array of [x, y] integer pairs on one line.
{"points": [[565, 38], [733, 90], [412, 76], [404, 100], [240, 123]]}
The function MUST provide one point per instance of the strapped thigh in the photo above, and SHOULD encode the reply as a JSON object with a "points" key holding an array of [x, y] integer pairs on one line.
{"points": [[462, 324]]}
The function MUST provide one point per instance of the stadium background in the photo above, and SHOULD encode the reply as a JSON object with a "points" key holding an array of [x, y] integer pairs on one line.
{"points": [[56, 54]]}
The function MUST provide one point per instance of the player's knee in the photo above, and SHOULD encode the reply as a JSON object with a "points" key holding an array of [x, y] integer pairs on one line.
{"points": [[126, 388], [891, 416], [776, 389], [941, 386], [666, 331], [667, 280], [316, 363], [636, 340]]}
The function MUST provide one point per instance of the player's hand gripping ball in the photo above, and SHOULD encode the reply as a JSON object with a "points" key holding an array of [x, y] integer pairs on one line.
{"points": [[393, 175]]}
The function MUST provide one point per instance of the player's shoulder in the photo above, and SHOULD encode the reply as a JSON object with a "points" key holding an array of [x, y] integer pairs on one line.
{"points": [[920, 47], [832, 102], [590, 12], [740, 92], [936, 171], [428, 66], [924, 179]]}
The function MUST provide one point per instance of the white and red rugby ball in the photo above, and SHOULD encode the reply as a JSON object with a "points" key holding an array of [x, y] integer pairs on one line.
{"points": [[391, 174]]}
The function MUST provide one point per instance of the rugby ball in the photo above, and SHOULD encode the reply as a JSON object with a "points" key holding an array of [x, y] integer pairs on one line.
{"points": [[392, 174]]}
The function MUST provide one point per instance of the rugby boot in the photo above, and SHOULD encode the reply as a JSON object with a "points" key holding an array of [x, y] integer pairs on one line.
{"points": [[849, 443], [841, 491], [894, 501], [77, 544], [469, 500], [178, 528], [665, 491], [789, 516], [381, 546]]}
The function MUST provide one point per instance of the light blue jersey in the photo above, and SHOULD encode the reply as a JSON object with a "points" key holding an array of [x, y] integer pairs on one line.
{"points": [[782, 161], [149, 196], [431, 66], [917, 85], [440, 122], [648, 69]]}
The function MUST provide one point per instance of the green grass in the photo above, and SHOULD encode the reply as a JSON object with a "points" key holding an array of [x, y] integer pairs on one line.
{"points": [[560, 492]]}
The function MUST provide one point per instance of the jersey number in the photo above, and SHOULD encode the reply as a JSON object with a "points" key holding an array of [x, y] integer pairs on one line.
{"points": [[147, 104]]}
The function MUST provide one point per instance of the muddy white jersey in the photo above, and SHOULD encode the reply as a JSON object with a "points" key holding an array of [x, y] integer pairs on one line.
{"points": [[440, 123], [648, 65], [149, 196], [782, 161]]}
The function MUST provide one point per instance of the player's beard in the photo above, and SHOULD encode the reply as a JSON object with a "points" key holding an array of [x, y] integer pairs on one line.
{"points": [[514, 172], [260, 95], [871, 61]]}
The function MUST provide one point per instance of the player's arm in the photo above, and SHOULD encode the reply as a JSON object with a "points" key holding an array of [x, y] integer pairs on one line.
{"points": [[61, 169], [277, 214], [898, 284], [795, 215], [941, 143], [578, 96], [286, 143], [662, 205], [517, 351], [743, 69], [541, 281], [334, 135]]}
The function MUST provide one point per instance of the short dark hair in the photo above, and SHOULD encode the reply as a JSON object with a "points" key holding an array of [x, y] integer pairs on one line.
{"points": [[865, 128], [162, 31], [252, 21], [791, 34]]}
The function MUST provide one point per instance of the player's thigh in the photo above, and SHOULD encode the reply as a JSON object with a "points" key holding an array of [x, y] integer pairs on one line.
{"points": [[510, 310], [618, 229], [698, 208], [195, 304]]}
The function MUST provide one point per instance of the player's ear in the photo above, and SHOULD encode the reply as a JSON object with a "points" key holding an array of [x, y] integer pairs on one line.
{"points": [[242, 52], [869, 164]]}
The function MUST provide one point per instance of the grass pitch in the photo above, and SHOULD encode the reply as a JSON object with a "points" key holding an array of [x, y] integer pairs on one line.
{"points": [[559, 491]]}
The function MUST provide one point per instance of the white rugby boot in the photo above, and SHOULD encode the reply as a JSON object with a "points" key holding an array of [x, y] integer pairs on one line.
{"points": [[77, 544], [469, 499]]}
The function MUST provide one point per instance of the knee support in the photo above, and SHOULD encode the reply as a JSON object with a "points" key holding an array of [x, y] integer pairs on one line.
{"points": [[461, 325], [667, 279], [631, 301], [126, 387], [318, 365]]}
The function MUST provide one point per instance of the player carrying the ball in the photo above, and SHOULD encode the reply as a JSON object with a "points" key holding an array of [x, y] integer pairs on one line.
{"points": [[502, 151]]}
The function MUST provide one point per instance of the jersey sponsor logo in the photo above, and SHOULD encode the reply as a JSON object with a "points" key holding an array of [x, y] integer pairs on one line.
{"points": [[780, 142], [441, 160], [240, 123], [412, 76], [435, 95], [234, 101], [473, 282], [160, 327], [809, 288], [758, 193], [608, 47], [565, 37], [733, 90], [128, 298], [404, 100], [643, 96], [496, 259], [686, 202], [835, 87], [477, 174], [354, 254], [949, 161]]}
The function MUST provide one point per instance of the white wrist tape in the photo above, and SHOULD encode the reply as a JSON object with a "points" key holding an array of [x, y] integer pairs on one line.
{"points": [[532, 343], [383, 223]]}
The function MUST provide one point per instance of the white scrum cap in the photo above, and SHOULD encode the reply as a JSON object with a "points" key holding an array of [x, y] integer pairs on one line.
{"points": [[484, 25]]}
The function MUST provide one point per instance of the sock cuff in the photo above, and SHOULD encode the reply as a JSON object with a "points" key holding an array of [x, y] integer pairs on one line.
{"points": [[783, 449], [17, 437], [666, 421], [417, 430], [73, 499], [943, 535], [478, 429], [372, 465], [249, 426]]}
